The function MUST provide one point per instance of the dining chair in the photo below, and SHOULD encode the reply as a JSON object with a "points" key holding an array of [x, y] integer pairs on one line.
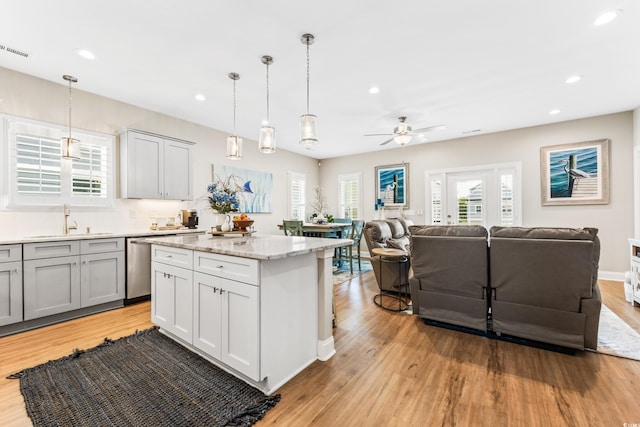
{"points": [[292, 227], [352, 252], [345, 233]]}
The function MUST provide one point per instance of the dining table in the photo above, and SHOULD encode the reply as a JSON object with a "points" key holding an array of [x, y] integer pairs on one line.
{"points": [[336, 230], [329, 229]]}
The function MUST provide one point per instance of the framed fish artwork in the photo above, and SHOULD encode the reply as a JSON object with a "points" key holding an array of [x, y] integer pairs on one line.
{"points": [[253, 188]]}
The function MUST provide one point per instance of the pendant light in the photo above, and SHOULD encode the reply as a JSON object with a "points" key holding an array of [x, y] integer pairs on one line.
{"points": [[234, 142], [267, 139], [70, 147], [308, 122]]}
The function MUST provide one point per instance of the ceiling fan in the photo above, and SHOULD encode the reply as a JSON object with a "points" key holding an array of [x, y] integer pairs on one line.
{"points": [[403, 133]]}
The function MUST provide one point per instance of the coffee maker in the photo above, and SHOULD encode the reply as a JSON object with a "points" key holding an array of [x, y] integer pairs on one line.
{"points": [[190, 218]]}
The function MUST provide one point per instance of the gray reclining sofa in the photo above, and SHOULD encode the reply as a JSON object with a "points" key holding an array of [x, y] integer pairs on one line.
{"points": [[538, 284]]}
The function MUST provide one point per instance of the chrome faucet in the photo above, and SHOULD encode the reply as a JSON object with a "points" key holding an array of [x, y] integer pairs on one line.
{"points": [[67, 227]]}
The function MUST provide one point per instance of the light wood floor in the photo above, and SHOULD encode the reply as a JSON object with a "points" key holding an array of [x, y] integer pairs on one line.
{"points": [[392, 369]]}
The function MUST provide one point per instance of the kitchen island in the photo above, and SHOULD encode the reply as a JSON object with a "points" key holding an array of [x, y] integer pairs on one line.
{"points": [[257, 306]]}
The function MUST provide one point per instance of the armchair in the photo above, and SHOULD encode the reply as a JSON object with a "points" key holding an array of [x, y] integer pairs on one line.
{"points": [[388, 234]]}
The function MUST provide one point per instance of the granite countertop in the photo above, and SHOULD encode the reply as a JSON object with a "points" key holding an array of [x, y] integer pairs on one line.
{"points": [[257, 246], [106, 235]]}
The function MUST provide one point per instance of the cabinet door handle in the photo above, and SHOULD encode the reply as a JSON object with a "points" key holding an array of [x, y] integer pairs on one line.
{"points": [[215, 289], [219, 266], [221, 291]]}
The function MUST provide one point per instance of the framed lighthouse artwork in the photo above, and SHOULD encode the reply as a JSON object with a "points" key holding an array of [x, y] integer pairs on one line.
{"points": [[575, 174]]}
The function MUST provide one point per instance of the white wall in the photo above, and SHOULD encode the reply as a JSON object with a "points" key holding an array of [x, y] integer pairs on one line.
{"points": [[614, 220], [25, 96]]}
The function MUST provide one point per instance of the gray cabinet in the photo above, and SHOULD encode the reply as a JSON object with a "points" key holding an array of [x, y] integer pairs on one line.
{"points": [[10, 284], [155, 166], [51, 278], [102, 271], [67, 275]]}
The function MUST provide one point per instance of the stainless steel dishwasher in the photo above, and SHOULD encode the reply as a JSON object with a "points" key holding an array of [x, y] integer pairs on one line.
{"points": [[138, 269]]}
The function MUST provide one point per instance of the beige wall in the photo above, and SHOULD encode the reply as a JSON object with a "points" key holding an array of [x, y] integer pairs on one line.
{"points": [[615, 220], [26, 96]]}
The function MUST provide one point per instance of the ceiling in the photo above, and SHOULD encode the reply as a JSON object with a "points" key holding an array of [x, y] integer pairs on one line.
{"points": [[475, 66]]}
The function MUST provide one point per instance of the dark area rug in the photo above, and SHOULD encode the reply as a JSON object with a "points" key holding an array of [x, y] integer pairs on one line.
{"points": [[145, 379]]}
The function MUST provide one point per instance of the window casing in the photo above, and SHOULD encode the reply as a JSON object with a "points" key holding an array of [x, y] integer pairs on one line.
{"points": [[297, 195], [37, 176], [350, 196]]}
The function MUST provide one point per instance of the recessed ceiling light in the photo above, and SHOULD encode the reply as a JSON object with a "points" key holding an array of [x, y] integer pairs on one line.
{"points": [[554, 112], [374, 89], [200, 97], [86, 54], [606, 17], [573, 79]]}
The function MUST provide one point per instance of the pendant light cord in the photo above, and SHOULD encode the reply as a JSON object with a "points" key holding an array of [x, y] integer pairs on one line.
{"points": [[70, 109], [234, 107], [307, 76], [267, 92]]}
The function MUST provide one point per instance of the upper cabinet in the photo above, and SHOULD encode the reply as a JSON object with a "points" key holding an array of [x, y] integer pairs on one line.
{"points": [[155, 166]]}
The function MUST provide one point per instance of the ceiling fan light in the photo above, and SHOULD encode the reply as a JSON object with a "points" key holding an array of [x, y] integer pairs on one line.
{"points": [[402, 139], [267, 140], [234, 147], [308, 130]]}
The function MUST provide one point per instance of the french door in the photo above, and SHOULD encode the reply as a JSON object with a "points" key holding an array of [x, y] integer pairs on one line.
{"points": [[485, 195]]}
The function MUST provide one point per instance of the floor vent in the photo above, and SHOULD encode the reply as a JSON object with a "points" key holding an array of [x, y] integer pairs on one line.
{"points": [[12, 50]]}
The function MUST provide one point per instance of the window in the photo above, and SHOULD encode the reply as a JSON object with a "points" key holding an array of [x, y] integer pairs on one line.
{"points": [[349, 191], [297, 195], [38, 176], [484, 195]]}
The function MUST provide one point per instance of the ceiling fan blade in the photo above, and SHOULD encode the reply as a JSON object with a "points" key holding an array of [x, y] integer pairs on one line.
{"points": [[429, 129], [387, 141], [378, 134]]}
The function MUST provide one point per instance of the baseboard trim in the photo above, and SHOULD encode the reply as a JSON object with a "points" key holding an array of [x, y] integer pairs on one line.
{"points": [[611, 275]]}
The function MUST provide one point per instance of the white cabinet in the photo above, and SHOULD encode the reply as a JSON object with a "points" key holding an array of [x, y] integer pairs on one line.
{"points": [[255, 318], [10, 284], [67, 275], [635, 269], [226, 322], [155, 166], [172, 293]]}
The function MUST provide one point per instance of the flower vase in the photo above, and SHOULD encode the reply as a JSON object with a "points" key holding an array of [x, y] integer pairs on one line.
{"points": [[220, 218], [226, 226]]}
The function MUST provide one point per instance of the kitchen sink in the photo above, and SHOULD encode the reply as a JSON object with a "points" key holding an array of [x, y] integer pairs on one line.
{"points": [[51, 236]]}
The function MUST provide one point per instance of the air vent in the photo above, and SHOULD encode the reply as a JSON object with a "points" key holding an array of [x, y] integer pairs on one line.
{"points": [[14, 51]]}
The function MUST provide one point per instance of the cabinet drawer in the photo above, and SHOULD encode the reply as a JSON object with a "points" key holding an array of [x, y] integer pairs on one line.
{"points": [[235, 268], [9, 253], [51, 249], [95, 246], [172, 256]]}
